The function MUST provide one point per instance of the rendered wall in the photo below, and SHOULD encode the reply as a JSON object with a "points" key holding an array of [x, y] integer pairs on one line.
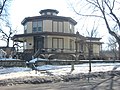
{"points": [[29, 43]]}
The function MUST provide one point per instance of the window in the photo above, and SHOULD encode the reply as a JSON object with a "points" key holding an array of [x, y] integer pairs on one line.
{"points": [[25, 28], [34, 26], [60, 42], [57, 43], [43, 14], [60, 29], [48, 13], [58, 26], [25, 45], [81, 47], [37, 26], [71, 44], [54, 14], [71, 28], [55, 26]]}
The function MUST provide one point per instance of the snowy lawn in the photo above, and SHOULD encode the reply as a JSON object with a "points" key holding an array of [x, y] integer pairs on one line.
{"points": [[15, 72]]}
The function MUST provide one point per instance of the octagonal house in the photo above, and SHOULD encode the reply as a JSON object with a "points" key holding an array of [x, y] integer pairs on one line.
{"points": [[50, 36]]}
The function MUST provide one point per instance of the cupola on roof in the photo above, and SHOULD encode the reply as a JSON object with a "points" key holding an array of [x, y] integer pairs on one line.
{"points": [[49, 12]]}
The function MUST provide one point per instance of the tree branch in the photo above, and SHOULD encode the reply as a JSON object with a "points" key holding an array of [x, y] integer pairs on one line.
{"points": [[86, 15], [3, 32], [2, 7]]}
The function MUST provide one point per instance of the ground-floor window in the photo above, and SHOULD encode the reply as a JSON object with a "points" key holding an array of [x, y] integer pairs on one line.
{"points": [[71, 44], [58, 43]]}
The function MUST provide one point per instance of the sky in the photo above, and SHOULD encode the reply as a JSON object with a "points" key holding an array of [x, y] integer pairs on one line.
{"points": [[20, 9], [27, 8]]}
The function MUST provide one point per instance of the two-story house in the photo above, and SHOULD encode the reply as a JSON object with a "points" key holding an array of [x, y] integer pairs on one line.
{"points": [[51, 36]]}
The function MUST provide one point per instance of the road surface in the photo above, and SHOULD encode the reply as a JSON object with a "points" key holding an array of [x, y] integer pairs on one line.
{"points": [[72, 85]]}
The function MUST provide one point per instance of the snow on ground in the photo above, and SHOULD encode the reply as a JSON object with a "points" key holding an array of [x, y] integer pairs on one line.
{"points": [[84, 68], [15, 72], [37, 59], [8, 59]]}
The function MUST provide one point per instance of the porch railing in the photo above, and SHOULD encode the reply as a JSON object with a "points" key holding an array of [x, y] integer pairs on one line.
{"points": [[37, 52]]}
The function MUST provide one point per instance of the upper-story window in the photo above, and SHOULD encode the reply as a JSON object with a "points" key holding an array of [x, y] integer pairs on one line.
{"points": [[71, 28], [58, 26], [55, 26], [37, 26], [34, 26], [54, 14], [25, 28]]}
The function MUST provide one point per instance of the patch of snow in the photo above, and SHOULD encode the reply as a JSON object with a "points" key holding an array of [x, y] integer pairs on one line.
{"points": [[8, 59], [56, 70], [48, 67], [18, 74], [13, 69], [36, 59]]}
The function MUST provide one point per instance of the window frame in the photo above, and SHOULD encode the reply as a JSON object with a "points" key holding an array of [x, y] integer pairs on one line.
{"points": [[36, 26], [58, 41]]}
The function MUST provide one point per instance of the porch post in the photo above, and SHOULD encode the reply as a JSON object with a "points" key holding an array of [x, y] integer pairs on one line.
{"points": [[45, 43], [76, 45]]}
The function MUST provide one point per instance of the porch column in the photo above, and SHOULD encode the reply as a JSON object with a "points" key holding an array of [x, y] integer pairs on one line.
{"points": [[46, 43], [76, 43]]}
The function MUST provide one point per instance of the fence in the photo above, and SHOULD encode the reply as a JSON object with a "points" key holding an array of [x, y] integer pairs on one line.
{"points": [[12, 63]]}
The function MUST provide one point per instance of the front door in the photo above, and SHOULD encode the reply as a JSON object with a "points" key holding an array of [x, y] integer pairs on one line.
{"points": [[39, 42]]}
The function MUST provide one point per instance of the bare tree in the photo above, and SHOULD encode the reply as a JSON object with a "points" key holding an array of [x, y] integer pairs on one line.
{"points": [[92, 32], [107, 10], [2, 6], [112, 44], [4, 20], [7, 36]]}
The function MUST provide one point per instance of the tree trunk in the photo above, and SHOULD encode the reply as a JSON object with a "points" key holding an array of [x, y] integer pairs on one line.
{"points": [[112, 33], [7, 42], [119, 50]]}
